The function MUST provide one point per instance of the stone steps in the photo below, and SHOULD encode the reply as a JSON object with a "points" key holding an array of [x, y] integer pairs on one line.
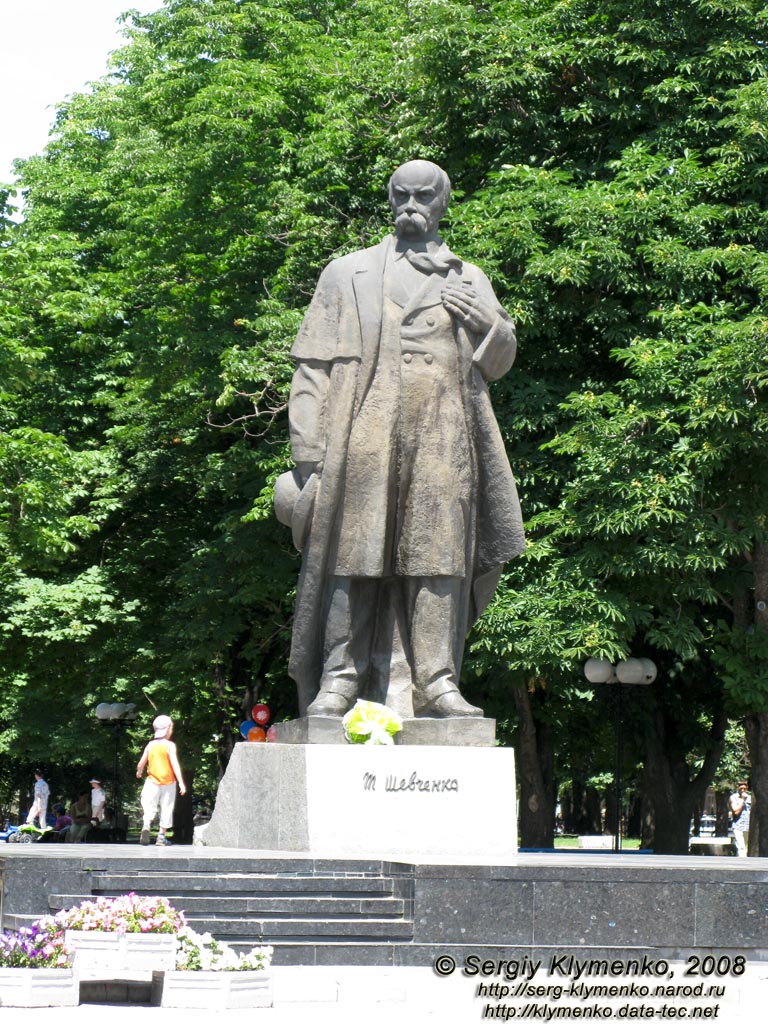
{"points": [[235, 905], [109, 884], [298, 911], [589, 906], [272, 930]]}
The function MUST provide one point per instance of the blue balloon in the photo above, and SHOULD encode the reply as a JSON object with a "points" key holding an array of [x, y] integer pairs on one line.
{"points": [[245, 728]]}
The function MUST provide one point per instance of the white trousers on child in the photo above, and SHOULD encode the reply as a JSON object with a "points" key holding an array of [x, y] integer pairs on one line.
{"points": [[153, 794]]}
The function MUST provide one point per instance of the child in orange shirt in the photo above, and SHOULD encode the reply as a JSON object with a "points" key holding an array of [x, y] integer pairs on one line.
{"points": [[163, 772]]}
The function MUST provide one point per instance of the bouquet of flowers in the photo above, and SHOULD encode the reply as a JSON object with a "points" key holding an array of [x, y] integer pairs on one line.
{"points": [[130, 913], [368, 722], [33, 947], [204, 953]]}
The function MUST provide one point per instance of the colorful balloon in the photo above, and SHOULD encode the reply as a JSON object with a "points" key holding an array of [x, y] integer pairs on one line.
{"points": [[271, 734], [246, 728], [260, 713], [257, 735]]}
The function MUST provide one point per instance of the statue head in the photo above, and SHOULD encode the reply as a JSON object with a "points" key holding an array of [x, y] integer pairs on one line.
{"points": [[418, 194]]}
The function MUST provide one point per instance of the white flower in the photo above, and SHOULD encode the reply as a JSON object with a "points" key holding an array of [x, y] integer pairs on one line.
{"points": [[369, 722]]}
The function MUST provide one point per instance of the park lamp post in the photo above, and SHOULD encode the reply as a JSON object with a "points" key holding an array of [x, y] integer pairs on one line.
{"points": [[632, 672], [117, 717]]}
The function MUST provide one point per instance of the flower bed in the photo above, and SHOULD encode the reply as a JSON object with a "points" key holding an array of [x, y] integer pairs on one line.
{"points": [[34, 947], [121, 933], [36, 969], [196, 952], [129, 933], [211, 975], [121, 914]]}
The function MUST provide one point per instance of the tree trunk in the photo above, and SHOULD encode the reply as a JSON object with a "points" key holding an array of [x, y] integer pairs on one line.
{"points": [[183, 813], [568, 808], [635, 817], [722, 813], [756, 730], [593, 808], [610, 810], [535, 769], [647, 820], [582, 813], [225, 739], [668, 786], [697, 812]]}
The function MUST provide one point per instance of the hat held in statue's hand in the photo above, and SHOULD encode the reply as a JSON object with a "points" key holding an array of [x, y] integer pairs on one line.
{"points": [[294, 504]]}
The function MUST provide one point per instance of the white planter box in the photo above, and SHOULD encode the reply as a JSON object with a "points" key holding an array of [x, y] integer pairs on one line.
{"points": [[133, 951], [43, 986], [212, 990]]}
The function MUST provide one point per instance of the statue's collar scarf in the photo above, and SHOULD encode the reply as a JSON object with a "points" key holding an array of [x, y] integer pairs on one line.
{"points": [[433, 257]]}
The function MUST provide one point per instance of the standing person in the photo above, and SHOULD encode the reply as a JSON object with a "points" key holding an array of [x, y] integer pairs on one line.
{"points": [[740, 807], [163, 772], [39, 808], [97, 801]]}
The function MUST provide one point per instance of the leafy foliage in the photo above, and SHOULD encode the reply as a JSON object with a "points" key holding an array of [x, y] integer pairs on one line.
{"points": [[609, 170]]}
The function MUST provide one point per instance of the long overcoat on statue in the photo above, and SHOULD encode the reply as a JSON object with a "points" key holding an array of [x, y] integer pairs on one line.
{"points": [[342, 333]]}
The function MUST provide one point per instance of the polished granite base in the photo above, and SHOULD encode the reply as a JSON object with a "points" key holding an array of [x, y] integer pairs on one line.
{"points": [[406, 911]]}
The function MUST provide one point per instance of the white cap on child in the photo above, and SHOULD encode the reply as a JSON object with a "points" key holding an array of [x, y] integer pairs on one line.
{"points": [[162, 725]]}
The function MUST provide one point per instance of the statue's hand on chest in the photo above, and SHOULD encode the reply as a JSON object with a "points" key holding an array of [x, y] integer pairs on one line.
{"points": [[473, 312]]}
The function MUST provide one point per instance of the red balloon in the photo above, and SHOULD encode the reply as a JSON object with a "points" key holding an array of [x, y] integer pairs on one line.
{"points": [[260, 713], [257, 735]]}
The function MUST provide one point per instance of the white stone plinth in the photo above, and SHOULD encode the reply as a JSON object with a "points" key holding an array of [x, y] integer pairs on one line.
{"points": [[129, 951], [38, 986], [212, 990], [366, 800]]}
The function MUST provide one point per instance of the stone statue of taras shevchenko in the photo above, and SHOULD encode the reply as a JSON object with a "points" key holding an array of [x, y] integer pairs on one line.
{"points": [[402, 501]]}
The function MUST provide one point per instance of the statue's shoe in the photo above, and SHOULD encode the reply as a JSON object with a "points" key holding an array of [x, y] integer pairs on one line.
{"points": [[329, 704], [453, 705]]}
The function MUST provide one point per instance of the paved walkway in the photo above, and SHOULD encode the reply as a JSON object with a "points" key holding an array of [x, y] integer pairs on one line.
{"points": [[408, 995]]}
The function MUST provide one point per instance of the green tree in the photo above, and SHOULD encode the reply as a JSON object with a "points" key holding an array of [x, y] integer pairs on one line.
{"points": [[609, 172], [626, 218], [179, 217]]}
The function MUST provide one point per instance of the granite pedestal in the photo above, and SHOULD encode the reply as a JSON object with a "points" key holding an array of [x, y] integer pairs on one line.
{"points": [[358, 800], [420, 732]]}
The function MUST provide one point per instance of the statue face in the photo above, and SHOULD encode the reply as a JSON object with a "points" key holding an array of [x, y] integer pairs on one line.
{"points": [[417, 201]]}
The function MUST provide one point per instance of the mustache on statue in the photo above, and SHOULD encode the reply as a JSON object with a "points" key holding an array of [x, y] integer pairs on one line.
{"points": [[411, 218]]}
